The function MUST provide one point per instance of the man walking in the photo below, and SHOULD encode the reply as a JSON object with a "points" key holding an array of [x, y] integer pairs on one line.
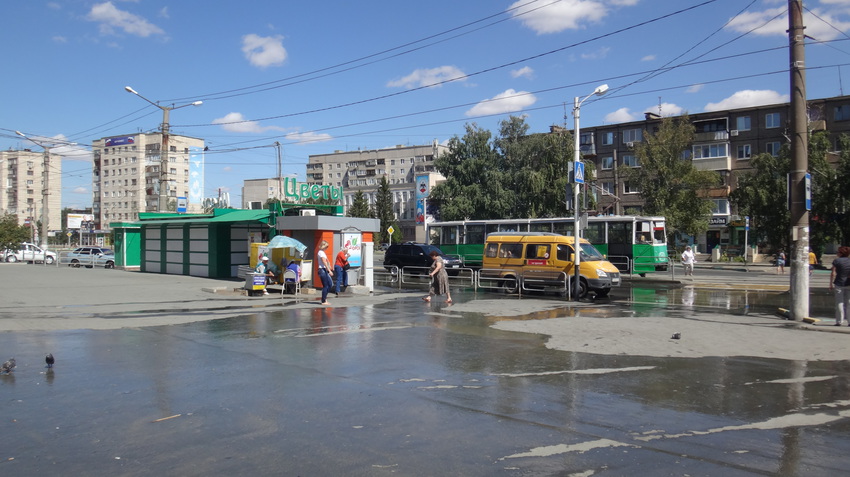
{"points": [[688, 261]]}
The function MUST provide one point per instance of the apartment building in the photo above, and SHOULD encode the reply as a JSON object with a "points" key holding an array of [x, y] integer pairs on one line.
{"points": [[256, 192], [724, 142], [22, 187], [126, 176], [362, 170]]}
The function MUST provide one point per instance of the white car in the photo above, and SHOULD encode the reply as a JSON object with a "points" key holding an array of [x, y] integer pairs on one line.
{"points": [[29, 253]]}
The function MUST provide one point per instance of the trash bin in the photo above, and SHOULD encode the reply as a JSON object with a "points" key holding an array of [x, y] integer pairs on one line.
{"points": [[255, 282], [353, 276]]}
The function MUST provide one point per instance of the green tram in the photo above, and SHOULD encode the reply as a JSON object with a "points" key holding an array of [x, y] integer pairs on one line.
{"points": [[625, 240]]}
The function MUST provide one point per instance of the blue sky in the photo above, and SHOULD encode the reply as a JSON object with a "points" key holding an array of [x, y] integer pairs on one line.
{"points": [[340, 75]]}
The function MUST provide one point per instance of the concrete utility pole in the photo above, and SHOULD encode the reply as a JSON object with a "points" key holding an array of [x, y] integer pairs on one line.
{"points": [[163, 153], [799, 181], [45, 190]]}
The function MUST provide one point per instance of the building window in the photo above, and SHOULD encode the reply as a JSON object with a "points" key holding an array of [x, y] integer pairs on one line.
{"points": [[608, 188], [630, 160], [773, 148], [607, 138], [720, 207], [707, 151], [629, 188], [744, 151], [842, 113], [771, 120], [632, 135], [608, 162], [743, 123]]}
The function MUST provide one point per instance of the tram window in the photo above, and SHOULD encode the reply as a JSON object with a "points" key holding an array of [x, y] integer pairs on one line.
{"points": [[620, 233], [475, 233], [449, 235], [595, 232], [563, 228], [659, 236], [541, 227]]}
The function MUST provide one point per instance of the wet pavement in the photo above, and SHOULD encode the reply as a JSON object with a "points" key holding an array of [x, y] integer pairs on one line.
{"points": [[389, 385]]}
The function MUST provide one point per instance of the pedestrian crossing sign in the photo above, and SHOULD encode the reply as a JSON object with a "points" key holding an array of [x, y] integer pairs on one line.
{"points": [[578, 172]]}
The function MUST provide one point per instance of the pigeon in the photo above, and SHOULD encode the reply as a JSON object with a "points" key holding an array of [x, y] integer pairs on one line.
{"points": [[49, 360], [676, 336], [8, 366]]}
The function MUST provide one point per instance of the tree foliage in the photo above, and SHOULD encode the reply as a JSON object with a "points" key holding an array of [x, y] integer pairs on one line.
{"points": [[762, 195], [514, 175], [360, 206], [12, 235], [668, 180], [384, 212]]}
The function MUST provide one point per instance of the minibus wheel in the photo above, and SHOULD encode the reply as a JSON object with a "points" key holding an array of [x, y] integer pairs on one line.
{"points": [[510, 285]]}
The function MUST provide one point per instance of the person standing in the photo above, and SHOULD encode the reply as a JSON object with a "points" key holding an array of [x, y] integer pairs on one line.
{"points": [[340, 269], [325, 272], [688, 261], [813, 260], [780, 263], [839, 280], [439, 278]]}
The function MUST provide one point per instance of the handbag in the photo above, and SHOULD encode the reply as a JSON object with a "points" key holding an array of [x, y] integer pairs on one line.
{"points": [[346, 267]]}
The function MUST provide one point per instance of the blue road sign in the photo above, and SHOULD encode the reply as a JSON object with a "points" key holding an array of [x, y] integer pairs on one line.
{"points": [[578, 176]]}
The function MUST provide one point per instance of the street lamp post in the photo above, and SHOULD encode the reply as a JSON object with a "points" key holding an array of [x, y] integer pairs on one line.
{"points": [[163, 153], [45, 190], [599, 91]]}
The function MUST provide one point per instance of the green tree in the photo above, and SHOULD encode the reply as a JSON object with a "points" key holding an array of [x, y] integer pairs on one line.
{"points": [[826, 194], [842, 200], [360, 206], [762, 195], [669, 182], [475, 185], [12, 235], [384, 209]]}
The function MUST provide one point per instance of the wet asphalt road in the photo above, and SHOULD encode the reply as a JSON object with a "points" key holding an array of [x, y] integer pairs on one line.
{"points": [[403, 388]]}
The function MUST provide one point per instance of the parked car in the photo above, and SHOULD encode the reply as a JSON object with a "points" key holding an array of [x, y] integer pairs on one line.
{"points": [[90, 257], [29, 252], [418, 255]]}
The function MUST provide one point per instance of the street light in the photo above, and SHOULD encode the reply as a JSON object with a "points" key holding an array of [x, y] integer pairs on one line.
{"points": [[599, 91], [163, 153], [45, 190]]}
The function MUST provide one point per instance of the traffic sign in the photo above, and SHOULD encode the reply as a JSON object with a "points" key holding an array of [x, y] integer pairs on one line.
{"points": [[390, 230], [578, 172]]}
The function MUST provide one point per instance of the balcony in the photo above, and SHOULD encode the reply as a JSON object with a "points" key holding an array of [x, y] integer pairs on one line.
{"points": [[711, 136], [723, 163]]}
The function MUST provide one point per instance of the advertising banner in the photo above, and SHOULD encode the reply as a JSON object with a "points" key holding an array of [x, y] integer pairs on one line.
{"points": [[196, 175], [352, 243], [423, 187]]}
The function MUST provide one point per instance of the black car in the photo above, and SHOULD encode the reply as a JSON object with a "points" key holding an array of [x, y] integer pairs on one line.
{"points": [[418, 255]]}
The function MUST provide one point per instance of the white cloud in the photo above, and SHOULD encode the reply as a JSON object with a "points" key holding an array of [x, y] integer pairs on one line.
{"points": [[80, 190], [622, 115], [60, 39], [624, 3], [748, 98], [308, 137], [507, 102], [648, 58], [429, 77], [111, 18], [236, 122], [525, 71], [695, 88], [163, 13], [558, 16], [264, 51], [599, 54], [226, 168], [827, 27]]}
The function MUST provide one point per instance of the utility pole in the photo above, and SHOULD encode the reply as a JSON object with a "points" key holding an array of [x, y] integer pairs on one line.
{"points": [[163, 153], [45, 191], [799, 181]]}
